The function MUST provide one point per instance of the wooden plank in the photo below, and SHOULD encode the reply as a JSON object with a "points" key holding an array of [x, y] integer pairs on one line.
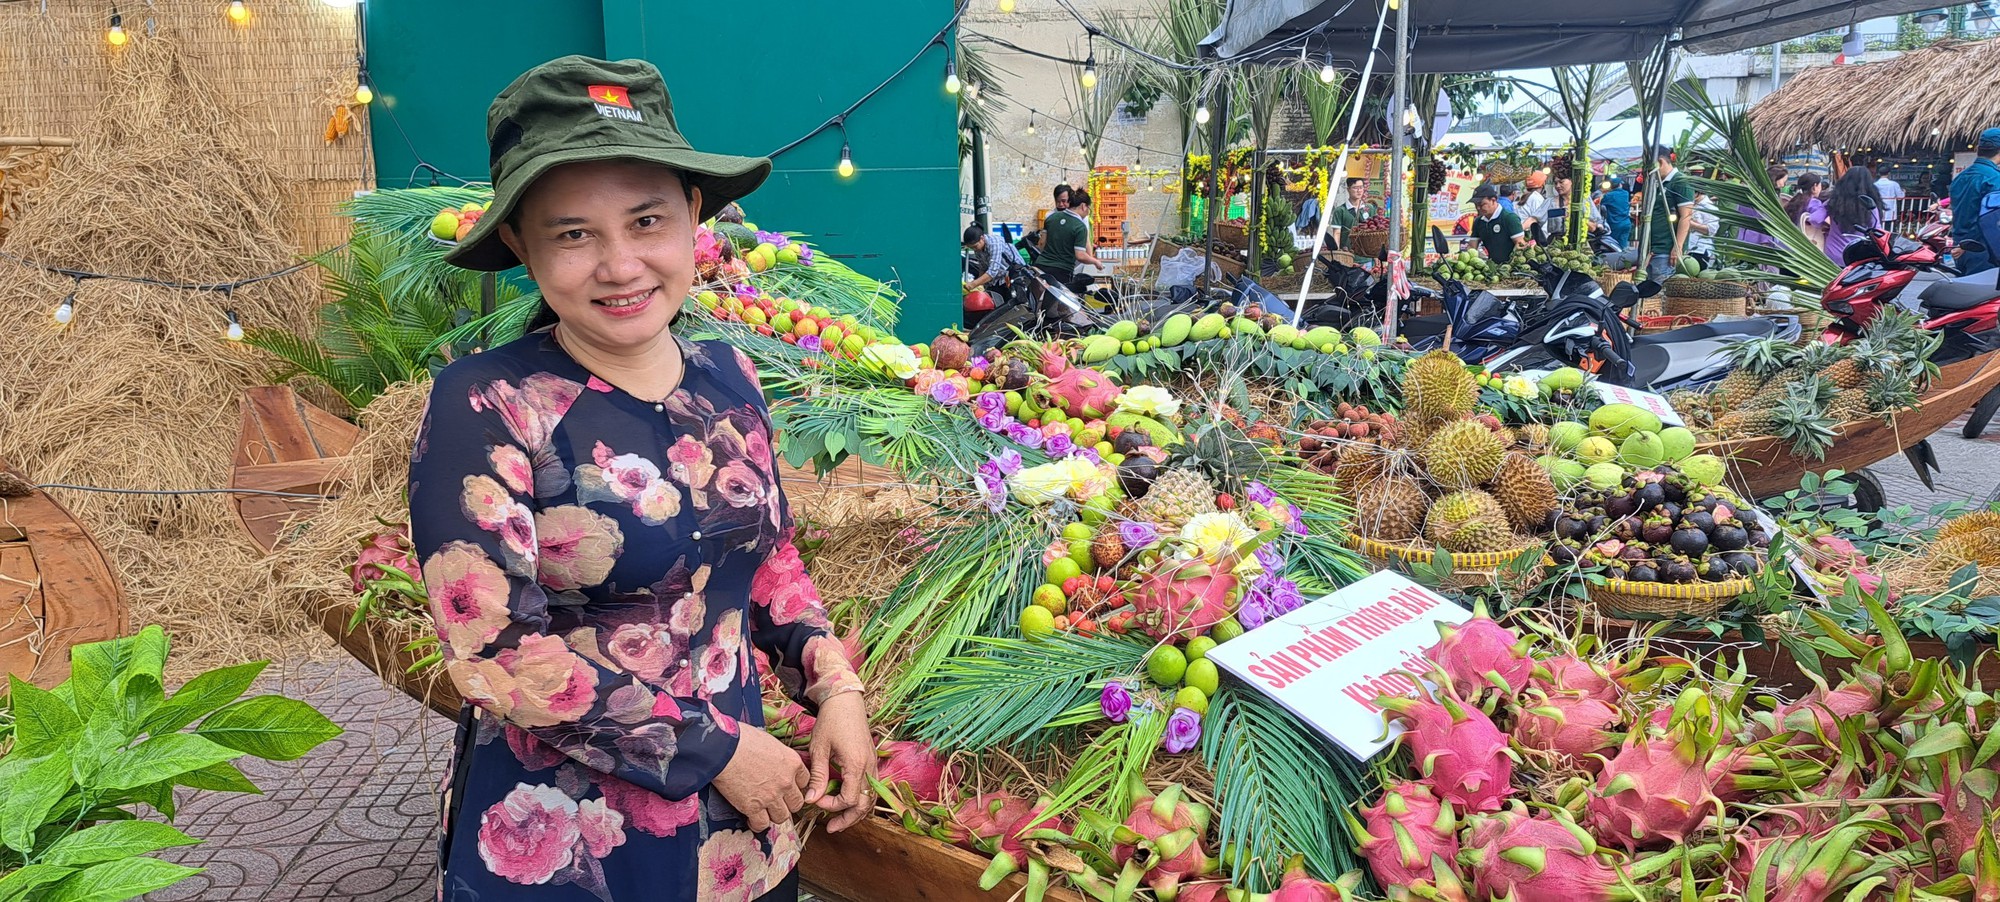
{"points": [[333, 436], [878, 861], [80, 599], [304, 476], [279, 426], [20, 609]]}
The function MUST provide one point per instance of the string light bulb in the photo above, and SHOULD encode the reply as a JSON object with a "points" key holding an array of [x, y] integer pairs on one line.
{"points": [[115, 35], [66, 310], [238, 13], [1031, 123], [234, 331], [1326, 71], [1024, 165], [1201, 115], [1006, 6], [846, 167], [363, 94], [951, 83], [1089, 77]]}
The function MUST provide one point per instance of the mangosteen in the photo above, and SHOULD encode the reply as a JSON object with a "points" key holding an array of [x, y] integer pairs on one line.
{"points": [[1699, 519], [1689, 541], [1635, 553], [1227, 310], [1671, 509], [1562, 553], [1596, 524], [1728, 537], [1680, 570], [1643, 573], [1136, 475], [1129, 441], [1741, 563], [1714, 570], [1628, 528], [1650, 495], [1676, 491], [1658, 530], [1572, 528], [1620, 505], [1760, 538]]}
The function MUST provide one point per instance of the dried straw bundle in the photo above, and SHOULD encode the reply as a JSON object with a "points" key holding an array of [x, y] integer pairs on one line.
{"points": [[140, 392]]}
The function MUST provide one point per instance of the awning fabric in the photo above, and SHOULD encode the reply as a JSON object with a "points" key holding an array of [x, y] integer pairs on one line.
{"points": [[1477, 35]]}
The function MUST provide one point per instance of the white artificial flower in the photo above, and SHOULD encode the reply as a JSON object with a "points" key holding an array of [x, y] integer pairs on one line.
{"points": [[1519, 387], [1150, 400], [891, 358], [1041, 485]]}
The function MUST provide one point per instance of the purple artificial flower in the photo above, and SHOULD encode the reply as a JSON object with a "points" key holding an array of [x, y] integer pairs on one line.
{"points": [[1298, 519], [1090, 454], [812, 343], [1136, 534], [992, 488], [805, 255], [1267, 554], [1116, 702], [994, 421], [948, 393], [1183, 731], [991, 400], [773, 239], [1024, 435], [1059, 445], [1254, 610], [1009, 462], [1259, 493], [1285, 596], [747, 292]]}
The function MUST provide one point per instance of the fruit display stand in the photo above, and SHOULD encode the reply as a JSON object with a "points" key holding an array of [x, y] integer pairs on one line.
{"points": [[1763, 465], [284, 444], [56, 588], [878, 861], [1468, 570]]}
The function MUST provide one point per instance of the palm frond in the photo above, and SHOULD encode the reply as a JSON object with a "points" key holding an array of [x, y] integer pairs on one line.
{"points": [[1751, 188], [1012, 692], [1280, 789]]}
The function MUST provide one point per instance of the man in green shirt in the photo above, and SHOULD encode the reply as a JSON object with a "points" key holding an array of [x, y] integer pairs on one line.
{"points": [[1497, 229], [1672, 213], [1065, 242], [1353, 212]]}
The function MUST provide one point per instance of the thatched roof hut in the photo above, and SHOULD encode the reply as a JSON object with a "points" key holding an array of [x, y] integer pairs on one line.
{"points": [[1937, 98]]}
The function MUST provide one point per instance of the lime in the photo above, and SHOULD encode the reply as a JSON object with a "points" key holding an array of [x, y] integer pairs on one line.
{"points": [[1079, 551], [1166, 665], [1060, 570], [1114, 458], [1226, 630], [1077, 532], [1192, 699], [1051, 597], [1197, 648], [1036, 622], [1013, 402], [1201, 674]]}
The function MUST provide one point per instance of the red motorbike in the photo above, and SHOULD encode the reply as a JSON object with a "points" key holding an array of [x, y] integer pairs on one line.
{"points": [[1966, 309]]}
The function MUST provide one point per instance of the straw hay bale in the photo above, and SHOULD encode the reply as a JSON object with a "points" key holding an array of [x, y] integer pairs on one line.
{"points": [[1887, 105]]}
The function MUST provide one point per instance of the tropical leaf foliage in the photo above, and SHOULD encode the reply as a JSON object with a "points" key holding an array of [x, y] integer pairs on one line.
{"points": [[1281, 790], [1015, 693], [1750, 187]]}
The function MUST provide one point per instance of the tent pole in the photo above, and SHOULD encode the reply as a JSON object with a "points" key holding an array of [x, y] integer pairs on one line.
{"points": [[1218, 129], [1650, 166], [1339, 166], [1398, 105]]}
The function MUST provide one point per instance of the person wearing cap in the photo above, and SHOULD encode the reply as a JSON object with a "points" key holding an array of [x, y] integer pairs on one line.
{"points": [[1496, 229], [600, 523], [1534, 209], [1969, 190]]}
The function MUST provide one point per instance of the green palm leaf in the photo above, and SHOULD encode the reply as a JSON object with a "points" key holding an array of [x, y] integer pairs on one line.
{"points": [[1280, 790], [1012, 692]]}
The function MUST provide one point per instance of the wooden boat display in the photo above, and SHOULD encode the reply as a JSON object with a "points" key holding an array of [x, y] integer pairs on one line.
{"points": [[1763, 465], [56, 589], [879, 861], [285, 444]]}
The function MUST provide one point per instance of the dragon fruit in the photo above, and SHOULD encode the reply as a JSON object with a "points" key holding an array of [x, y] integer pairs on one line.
{"points": [[1801, 868], [1820, 712], [928, 774], [1185, 600], [1656, 791], [1079, 392], [1535, 859], [1463, 756], [1051, 361], [1404, 829], [1160, 843], [1482, 654], [1569, 673], [984, 819], [1011, 852], [1966, 804], [1299, 886], [391, 547], [1571, 724]]}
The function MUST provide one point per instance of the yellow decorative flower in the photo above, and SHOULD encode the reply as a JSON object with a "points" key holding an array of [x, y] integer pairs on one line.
{"points": [[1041, 485], [1519, 387], [891, 358], [1213, 537]]}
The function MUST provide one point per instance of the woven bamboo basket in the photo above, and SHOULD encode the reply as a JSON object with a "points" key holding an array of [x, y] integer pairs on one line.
{"points": [[1663, 601], [1703, 289], [1367, 245], [1612, 278], [1468, 570], [1500, 173], [1232, 232], [1704, 308]]}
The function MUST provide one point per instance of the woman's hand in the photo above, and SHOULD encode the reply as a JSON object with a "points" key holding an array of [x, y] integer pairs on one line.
{"points": [[764, 779], [841, 739]]}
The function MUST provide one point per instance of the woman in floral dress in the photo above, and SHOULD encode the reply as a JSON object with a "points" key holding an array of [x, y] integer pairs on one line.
{"points": [[607, 546]]}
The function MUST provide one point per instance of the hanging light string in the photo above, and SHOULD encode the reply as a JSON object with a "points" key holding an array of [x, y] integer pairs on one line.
{"points": [[840, 119], [232, 330]]}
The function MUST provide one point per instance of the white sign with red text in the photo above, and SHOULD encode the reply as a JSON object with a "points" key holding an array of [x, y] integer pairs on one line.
{"points": [[1328, 661], [1619, 394]]}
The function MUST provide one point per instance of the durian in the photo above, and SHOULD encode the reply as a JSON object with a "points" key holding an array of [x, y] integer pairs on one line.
{"points": [[1469, 521], [1462, 455], [1438, 387], [1525, 492], [1391, 508]]}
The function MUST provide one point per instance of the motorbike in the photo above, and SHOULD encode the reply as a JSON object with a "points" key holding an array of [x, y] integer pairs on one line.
{"points": [[1882, 269], [1035, 307]]}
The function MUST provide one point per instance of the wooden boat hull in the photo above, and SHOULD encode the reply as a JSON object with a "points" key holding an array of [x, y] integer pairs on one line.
{"points": [[56, 589], [1763, 465], [285, 444], [879, 861]]}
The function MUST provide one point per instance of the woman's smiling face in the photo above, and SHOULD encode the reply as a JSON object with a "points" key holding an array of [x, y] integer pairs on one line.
{"points": [[611, 246]]}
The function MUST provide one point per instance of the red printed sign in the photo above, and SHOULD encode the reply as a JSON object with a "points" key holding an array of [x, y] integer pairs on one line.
{"points": [[1619, 394], [1328, 661]]}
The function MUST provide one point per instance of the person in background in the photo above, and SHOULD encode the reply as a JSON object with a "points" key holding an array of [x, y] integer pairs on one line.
{"points": [[1061, 196], [1701, 232], [1497, 228], [1890, 191], [1969, 190], [1617, 209], [1353, 211], [1672, 216], [995, 262], [1851, 211], [1066, 242], [1752, 236], [1534, 209], [1507, 199], [1804, 200]]}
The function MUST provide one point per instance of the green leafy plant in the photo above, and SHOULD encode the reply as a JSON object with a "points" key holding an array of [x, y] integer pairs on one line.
{"points": [[84, 755]]}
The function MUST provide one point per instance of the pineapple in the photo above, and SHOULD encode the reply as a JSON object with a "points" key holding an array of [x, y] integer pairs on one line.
{"points": [[1175, 498], [1848, 405], [1757, 362], [1842, 366], [1800, 419]]}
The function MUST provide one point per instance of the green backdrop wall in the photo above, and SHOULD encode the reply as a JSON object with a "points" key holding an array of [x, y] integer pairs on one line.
{"points": [[741, 84]]}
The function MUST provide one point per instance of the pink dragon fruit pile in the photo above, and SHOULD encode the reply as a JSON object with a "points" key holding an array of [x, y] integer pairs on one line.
{"points": [[1535, 771]]}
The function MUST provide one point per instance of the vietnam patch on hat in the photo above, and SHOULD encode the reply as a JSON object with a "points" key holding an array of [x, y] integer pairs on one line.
{"points": [[614, 102]]}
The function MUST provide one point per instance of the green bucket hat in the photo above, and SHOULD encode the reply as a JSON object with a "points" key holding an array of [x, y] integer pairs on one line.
{"points": [[578, 109]]}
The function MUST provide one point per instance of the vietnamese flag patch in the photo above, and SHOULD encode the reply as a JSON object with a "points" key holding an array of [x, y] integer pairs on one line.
{"points": [[611, 94]]}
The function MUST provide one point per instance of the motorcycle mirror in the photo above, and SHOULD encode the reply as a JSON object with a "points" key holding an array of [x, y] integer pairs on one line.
{"points": [[1438, 242], [1648, 288], [1973, 244]]}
